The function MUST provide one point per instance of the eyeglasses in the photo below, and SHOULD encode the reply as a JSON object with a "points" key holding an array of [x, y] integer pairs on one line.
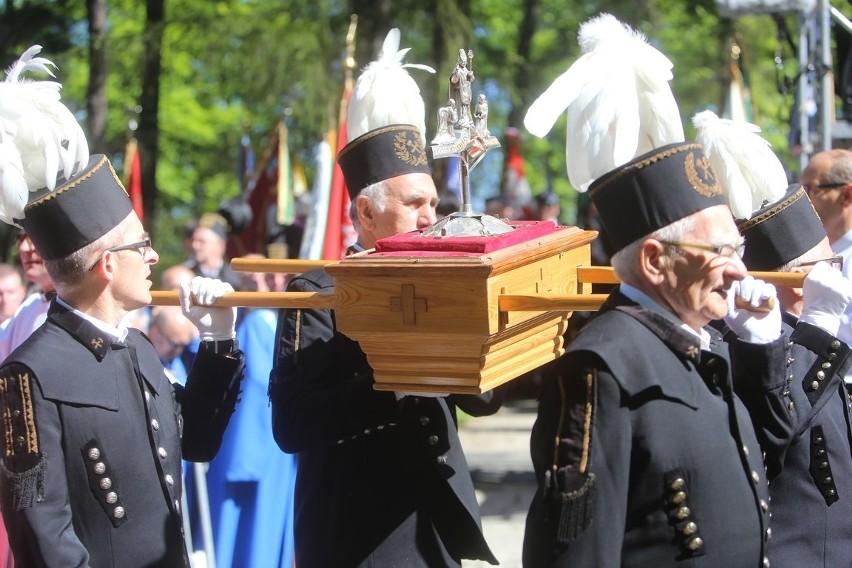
{"points": [[834, 261], [812, 187], [727, 251], [143, 245]]}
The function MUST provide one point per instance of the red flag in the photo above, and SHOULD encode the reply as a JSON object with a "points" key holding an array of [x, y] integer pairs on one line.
{"points": [[339, 232], [516, 188], [133, 175]]}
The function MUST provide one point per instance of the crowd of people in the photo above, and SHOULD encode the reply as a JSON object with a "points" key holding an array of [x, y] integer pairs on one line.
{"points": [[720, 436]]}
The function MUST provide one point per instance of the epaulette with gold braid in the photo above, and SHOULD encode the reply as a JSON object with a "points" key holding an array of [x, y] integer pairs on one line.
{"points": [[23, 465]]}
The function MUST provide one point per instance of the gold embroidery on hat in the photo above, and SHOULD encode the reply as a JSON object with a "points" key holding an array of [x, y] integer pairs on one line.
{"points": [[407, 147], [75, 182], [758, 219], [700, 175], [629, 169]]}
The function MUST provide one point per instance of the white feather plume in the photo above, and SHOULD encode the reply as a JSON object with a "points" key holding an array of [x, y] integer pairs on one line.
{"points": [[749, 171], [40, 139], [386, 94], [617, 98]]}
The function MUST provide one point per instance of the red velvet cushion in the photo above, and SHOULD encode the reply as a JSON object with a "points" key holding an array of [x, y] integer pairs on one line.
{"points": [[408, 243]]}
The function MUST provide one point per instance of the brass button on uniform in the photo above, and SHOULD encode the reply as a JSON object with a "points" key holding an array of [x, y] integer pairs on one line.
{"points": [[678, 484], [118, 513], [689, 528], [441, 460], [764, 505], [695, 544], [368, 431], [155, 424], [94, 454], [433, 440], [147, 396], [683, 513], [99, 468], [163, 453], [835, 344], [815, 385], [820, 375], [105, 483], [678, 497], [424, 420], [111, 497], [755, 476], [169, 479]]}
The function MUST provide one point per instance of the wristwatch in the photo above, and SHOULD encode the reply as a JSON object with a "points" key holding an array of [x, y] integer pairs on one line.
{"points": [[219, 347]]}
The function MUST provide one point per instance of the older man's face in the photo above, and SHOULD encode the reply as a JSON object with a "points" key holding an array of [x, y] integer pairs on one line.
{"points": [[696, 285], [410, 203]]}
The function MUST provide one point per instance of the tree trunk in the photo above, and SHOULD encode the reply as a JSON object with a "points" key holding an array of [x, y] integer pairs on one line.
{"points": [[147, 135], [529, 24], [528, 27], [96, 100]]}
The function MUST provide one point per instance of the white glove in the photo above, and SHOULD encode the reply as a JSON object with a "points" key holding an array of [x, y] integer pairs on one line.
{"points": [[826, 293], [753, 327], [214, 324]]}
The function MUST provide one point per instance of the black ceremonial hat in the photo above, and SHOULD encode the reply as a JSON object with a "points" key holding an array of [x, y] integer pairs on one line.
{"points": [[781, 231], [78, 212], [382, 154], [653, 191]]}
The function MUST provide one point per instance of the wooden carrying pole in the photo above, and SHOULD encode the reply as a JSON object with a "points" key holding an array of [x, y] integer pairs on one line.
{"points": [[506, 302]]}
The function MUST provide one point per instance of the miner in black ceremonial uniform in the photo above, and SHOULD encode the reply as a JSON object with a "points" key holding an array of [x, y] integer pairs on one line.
{"points": [[810, 468], [643, 454], [382, 479], [93, 431]]}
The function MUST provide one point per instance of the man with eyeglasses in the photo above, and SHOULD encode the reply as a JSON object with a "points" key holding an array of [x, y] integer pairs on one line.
{"points": [[170, 333], [828, 181], [643, 454], [93, 430], [809, 468]]}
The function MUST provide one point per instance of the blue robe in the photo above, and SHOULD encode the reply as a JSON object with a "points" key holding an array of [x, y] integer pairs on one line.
{"points": [[251, 482]]}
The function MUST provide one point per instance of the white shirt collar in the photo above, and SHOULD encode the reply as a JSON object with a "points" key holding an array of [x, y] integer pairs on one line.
{"points": [[841, 244], [648, 303], [117, 333]]}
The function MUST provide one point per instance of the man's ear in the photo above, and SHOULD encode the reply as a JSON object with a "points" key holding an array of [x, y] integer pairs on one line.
{"points": [[365, 212], [846, 197], [107, 265], [653, 262]]}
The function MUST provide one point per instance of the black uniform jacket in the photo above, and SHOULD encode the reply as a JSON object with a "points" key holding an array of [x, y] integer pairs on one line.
{"points": [[93, 439], [810, 470], [375, 475], [643, 455]]}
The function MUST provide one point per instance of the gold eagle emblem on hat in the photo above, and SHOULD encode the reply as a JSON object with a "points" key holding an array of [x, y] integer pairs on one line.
{"points": [[409, 149], [700, 175]]}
